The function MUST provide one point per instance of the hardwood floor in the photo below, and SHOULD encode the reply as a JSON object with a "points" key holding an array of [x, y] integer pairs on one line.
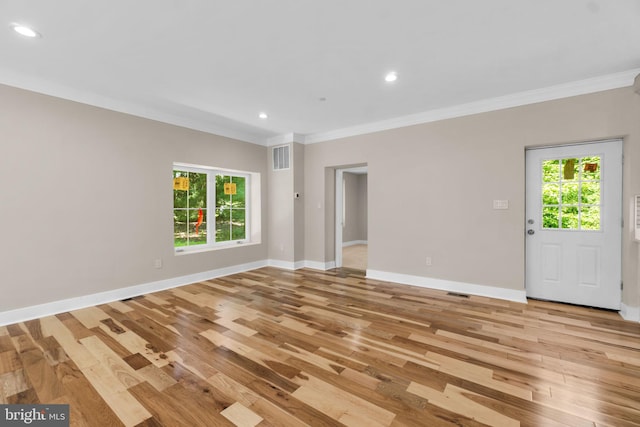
{"points": [[355, 257], [280, 348]]}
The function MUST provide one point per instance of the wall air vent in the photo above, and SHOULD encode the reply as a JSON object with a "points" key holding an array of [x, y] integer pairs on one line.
{"points": [[280, 157], [636, 222]]}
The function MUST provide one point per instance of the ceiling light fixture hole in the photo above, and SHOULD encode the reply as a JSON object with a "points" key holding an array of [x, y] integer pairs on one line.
{"points": [[26, 31], [391, 77]]}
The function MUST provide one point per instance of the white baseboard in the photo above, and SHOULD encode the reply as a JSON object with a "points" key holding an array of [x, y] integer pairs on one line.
{"points": [[286, 265], [56, 307], [315, 265], [448, 285], [630, 313], [355, 242], [76, 303]]}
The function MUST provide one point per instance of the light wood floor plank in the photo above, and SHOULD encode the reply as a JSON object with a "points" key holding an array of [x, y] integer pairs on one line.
{"points": [[273, 347]]}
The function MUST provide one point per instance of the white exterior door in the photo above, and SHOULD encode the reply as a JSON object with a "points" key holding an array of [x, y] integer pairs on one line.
{"points": [[574, 224]]}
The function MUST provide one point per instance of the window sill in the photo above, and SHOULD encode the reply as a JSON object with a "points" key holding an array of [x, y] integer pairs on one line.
{"points": [[200, 249]]}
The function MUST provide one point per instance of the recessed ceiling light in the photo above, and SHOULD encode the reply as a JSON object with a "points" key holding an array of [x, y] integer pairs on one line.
{"points": [[391, 77], [263, 115], [25, 31]]}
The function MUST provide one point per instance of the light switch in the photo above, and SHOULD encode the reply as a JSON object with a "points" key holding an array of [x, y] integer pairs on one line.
{"points": [[500, 204]]}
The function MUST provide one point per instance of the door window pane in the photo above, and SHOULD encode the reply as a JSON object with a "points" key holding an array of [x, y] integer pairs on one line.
{"points": [[550, 194], [590, 218], [591, 168], [570, 169], [571, 193], [570, 217], [550, 171], [550, 216], [590, 193]]}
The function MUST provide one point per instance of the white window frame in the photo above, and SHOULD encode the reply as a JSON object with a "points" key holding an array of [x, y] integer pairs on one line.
{"points": [[250, 199]]}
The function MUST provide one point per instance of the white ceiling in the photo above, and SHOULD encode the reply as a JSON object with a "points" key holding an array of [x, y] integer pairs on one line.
{"points": [[214, 65]]}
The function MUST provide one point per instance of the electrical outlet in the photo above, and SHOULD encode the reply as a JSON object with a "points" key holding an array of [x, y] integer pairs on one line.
{"points": [[428, 260], [157, 263]]}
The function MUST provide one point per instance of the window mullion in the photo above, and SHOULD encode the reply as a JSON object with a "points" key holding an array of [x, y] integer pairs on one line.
{"points": [[210, 189]]}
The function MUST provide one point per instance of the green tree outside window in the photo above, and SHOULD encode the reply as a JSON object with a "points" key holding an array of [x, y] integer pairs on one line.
{"points": [[571, 193]]}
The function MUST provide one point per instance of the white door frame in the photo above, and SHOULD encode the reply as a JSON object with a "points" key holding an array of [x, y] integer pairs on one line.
{"points": [[339, 214], [612, 218]]}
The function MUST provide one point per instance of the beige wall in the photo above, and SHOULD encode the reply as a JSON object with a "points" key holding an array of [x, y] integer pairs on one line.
{"points": [[431, 188], [298, 204], [87, 201], [85, 205], [355, 225], [280, 214], [286, 213]]}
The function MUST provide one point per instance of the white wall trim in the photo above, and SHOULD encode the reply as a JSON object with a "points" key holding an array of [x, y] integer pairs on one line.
{"points": [[316, 265], [286, 138], [286, 265], [355, 242], [448, 285], [630, 313], [43, 86], [62, 306], [580, 87]]}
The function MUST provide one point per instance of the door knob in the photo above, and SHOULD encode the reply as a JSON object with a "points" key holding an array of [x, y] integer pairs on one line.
{"points": [[530, 232]]}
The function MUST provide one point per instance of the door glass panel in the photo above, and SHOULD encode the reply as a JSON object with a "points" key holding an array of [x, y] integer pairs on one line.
{"points": [[570, 169], [571, 193], [590, 193], [570, 217], [550, 194], [591, 168], [550, 171], [590, 218], [550, 216]]}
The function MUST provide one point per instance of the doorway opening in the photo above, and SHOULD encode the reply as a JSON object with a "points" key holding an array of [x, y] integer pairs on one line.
{"points": [[573, 224], [352, 218]]}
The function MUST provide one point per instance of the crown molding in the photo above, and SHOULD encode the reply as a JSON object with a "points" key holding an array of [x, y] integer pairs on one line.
{"points": [[42, 86], [285, 138], [580, 87]]}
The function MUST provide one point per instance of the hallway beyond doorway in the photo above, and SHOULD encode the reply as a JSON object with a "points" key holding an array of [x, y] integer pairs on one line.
{"points": [[355, 256]]}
